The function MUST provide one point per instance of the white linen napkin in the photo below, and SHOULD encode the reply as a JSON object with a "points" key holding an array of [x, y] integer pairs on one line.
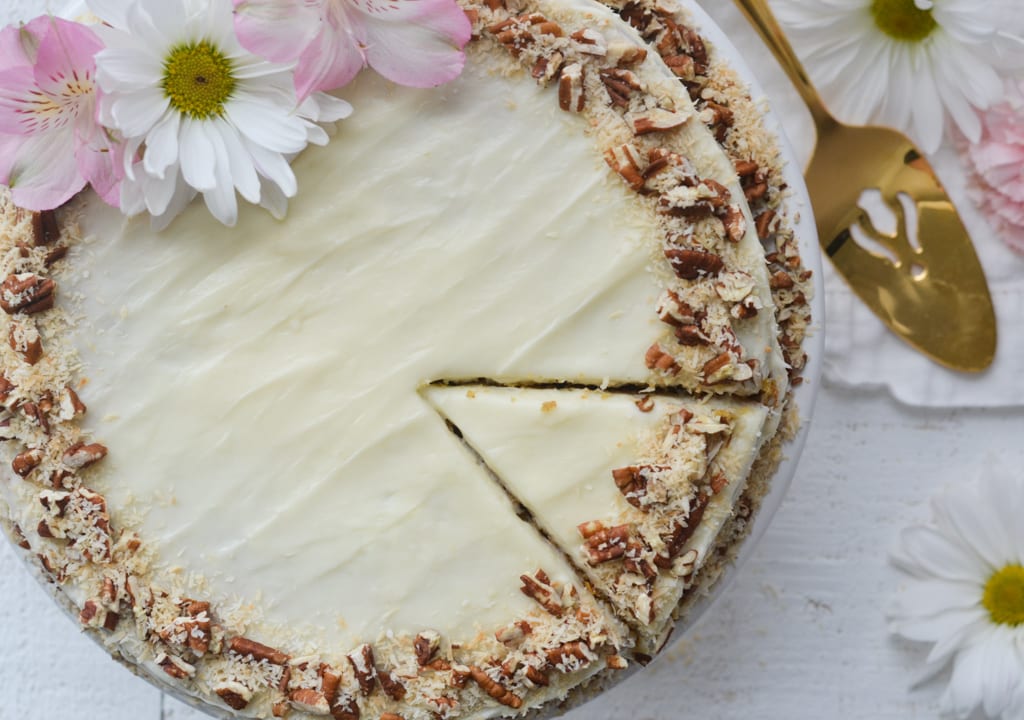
{"points": [[859, 350]]}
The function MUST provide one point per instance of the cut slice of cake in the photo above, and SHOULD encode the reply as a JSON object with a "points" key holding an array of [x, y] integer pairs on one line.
{"points": [[634, 489]]}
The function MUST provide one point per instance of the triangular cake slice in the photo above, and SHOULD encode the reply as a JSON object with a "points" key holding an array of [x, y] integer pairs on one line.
{"points": [[634, 489]]}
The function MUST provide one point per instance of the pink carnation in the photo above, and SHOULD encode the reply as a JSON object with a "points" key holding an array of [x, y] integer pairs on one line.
{"points": [[410, 42], [51, 143], [997, 165]]}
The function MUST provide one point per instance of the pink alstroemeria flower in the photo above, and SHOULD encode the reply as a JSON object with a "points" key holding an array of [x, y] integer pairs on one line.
{"points": [[996, 163], [51, 143], [411, 42]]}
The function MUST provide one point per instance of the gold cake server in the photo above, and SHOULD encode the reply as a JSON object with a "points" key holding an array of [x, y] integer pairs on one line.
{"points": [[932, 292]]}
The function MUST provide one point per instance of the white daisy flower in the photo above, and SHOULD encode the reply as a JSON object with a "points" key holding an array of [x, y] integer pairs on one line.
{"points": [[198, 112], [907, 63], [964, 594]]}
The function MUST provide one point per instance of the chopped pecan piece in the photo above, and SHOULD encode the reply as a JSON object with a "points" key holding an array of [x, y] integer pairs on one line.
{"points": [[26, 293], [36, 415], [755, 191], [781, 280], [763, 224], [460, 676], [625, 161], [570, 656], [746, 168], [175, 666], [570, 88], [199, 626], [692, 264], [620, 85], [251, 649], [6, 388], [616, 662], [682, 66], [330, 681], [718, 483], [20, 539], [680, 534], [515, 38], [392, 686], [631, 55], [645, 404], [607, 544], [70, 405], [547, 68], [57, 253], [514, 634], [635, 562], [310, 701], [690, 336], [540, 589], [80, 455], [658, 359], [23, 337], [235, 695], [735, 223], [718, 114], [425, 645], [713, 367], [657, 120], [345, 709], [390, 716], [537, 677], [590, 42], [45, 228], [495, 689], [672, 310], [27, 461], [632, 481], [362, 662]]}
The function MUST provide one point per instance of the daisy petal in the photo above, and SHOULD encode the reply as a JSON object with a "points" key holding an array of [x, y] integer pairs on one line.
{"points": [[935, 627], [926, 552], [198, 158]]}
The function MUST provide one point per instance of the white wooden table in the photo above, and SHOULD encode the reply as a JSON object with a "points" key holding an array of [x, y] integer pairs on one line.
{"points": [[800, 635]]}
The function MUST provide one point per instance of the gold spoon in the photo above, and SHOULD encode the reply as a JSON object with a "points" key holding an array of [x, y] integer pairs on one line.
{"points": [[932, 293]]}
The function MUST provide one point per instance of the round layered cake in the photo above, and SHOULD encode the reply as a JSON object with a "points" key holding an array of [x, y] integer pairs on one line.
{"points": [[463, 434]]}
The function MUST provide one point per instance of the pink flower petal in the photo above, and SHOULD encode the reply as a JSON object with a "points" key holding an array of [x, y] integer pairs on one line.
{"points": [[66, 57], [412, 55], [19, 45], [331, 61], [104, 170], [17, 85], [412, 42], [443, 17], [45, 174], [278, 30]]}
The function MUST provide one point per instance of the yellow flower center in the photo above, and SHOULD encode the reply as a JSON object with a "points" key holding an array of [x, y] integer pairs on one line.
{"points": [[198, 80], [902, 19], [1004, 596]]}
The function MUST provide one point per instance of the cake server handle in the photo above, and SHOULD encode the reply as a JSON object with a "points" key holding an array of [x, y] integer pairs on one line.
{"points": [[764, 22]]}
